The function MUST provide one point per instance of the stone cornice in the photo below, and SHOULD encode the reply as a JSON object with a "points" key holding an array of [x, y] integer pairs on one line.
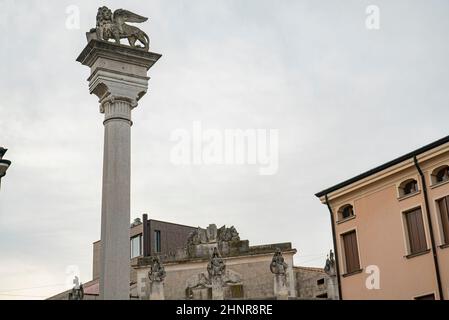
{"points": [[99, 48]]}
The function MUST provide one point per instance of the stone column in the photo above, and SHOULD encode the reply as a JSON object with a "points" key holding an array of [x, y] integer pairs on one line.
{"points": [[156, 276], [217, 288], [332, 287], [119, 79], [280, 286], [332, 281], [156, 290]]}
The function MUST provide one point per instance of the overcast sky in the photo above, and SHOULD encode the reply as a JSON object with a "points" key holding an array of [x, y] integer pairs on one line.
{"points": [[344, 99]]}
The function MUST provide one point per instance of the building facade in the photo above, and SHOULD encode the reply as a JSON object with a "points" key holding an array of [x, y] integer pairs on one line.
{"points": [[188, 257], [242, 271], [314, 283], [148, 237], [216, 264], [391, 228]]}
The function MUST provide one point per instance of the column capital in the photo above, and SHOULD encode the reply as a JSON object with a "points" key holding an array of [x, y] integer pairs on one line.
{"points": [[118, 72]]}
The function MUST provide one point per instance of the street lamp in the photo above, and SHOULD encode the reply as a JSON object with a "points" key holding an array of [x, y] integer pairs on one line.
{"points": [[4, 164]]}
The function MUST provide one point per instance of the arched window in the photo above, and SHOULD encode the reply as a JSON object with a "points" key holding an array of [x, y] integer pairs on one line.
{"points": [[408, 187], [440, 174], [345, 212]]}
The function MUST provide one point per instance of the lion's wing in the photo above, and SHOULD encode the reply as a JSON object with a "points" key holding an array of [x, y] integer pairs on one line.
{"points": [[128, 16]]}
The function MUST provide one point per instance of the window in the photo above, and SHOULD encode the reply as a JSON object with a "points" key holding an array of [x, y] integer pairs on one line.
{"points": [[440, 174], [408, 187], [320, 282], [157, 240], [345, 212], [322, 296], [426, 297], [443, 206], [136, 246], [351, 252], [415, 231]]}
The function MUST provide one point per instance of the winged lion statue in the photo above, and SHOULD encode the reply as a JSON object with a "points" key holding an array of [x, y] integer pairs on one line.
{"points": [[113, 26]]}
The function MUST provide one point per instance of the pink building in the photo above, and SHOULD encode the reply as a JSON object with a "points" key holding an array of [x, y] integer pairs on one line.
{"points": [[391, 227]]}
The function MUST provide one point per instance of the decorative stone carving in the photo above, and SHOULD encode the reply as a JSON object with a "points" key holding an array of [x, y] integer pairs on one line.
{"points": [[216, 266], [329, 268], [4, 164], [77, 292], [198, 281], [331, 281], [219, 278], [157, 270], [278, 266], [156, 277], [113, 26], [211, 235], [228, 234]]}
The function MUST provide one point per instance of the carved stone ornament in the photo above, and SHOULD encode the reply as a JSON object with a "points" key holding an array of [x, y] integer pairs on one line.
{"points": [[278, 266], [228, 234], [77, 293], [157, 271], [329, 268], [216, 266], [113, 26], [212, 235]]}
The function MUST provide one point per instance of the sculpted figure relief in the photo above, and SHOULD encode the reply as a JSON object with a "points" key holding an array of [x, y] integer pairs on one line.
{"points": [[77, 293], [278, 265], [228, 234], [212, 234], [157, 270], [194, 238], [216, 266], [329, 268], [113, 26]]}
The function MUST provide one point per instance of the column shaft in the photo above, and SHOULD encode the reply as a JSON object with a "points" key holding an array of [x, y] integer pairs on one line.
{"points": [[115, 211]]}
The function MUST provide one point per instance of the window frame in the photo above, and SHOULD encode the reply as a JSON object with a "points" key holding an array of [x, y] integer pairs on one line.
{"points": [[132, 246], [443, 236], [157, 241], [408, 244], [433, 175], [339, 218], [344, 254], [400, 188]]}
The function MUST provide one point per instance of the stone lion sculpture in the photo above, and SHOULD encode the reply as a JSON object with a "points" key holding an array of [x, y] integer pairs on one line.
{"points": [[113, 26]]}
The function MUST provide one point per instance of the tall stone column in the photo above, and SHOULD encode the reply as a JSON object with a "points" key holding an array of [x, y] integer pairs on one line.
{"points": [[119, 79]]}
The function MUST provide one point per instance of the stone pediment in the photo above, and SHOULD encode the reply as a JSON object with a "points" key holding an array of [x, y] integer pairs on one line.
{"points": [[213, 235]]}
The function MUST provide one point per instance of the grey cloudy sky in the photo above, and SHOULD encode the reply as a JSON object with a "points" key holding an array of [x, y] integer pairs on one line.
{"points": [[344, 99]]}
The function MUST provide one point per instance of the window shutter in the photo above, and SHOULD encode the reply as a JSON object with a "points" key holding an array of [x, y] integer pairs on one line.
{"points": [[444, 213], [351, 252], [416, 233]]}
